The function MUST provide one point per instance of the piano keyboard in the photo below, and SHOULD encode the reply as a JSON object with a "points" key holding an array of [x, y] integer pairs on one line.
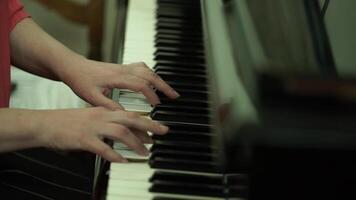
{"points": [[138, 46], [167, 35]]}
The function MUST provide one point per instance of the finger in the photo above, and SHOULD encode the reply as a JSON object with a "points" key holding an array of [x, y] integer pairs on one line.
{"points": [[143, 136], [162, 86], [97, 146], [119, 132], [157, 81], [99, 99], [140, 85], [135, 121]]}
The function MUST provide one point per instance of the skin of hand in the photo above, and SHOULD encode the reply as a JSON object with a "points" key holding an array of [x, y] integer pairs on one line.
{"points": [[93, 81], [83, 129]]}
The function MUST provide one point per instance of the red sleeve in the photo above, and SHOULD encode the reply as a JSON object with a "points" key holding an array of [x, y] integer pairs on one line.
{"points": [[16, 13]]}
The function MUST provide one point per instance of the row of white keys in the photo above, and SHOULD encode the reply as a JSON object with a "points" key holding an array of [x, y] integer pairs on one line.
{"points": [[139, 46], [140, 32], [130, 181]]}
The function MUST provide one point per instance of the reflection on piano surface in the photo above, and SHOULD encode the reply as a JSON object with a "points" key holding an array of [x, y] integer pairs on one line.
{"points": [[248, 125]]}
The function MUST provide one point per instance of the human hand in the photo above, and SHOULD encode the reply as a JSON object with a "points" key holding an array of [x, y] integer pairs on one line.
{"points": [[93, 81], [83, 129]]}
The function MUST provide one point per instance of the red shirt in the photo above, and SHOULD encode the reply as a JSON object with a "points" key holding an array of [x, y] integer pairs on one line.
{"points": [[11, 12]]}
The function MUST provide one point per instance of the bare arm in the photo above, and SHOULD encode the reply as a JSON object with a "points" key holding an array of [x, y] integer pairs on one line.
{"points": [[35, 51], [15, 129]]}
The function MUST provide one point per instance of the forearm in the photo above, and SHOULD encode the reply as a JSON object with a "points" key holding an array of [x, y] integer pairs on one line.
{"points": [[33, 50], [16, 129]]}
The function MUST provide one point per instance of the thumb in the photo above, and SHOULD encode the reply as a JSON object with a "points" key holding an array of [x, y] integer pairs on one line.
{"points": [[99, 99]]}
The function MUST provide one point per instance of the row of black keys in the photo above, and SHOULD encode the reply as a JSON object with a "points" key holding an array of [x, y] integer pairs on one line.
{"points": [[184, 71], [189, 116], [189, 144]]}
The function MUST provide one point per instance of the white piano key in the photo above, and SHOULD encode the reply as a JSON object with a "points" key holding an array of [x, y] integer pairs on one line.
{"points": [[120, 145], [130, 180], [129, 154]]}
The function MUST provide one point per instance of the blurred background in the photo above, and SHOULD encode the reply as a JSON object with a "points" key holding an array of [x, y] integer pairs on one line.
{"points": [[85, 26]]}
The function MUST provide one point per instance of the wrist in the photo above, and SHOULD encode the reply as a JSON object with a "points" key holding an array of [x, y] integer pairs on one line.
{"points": [[65, 68], [30, 122]]}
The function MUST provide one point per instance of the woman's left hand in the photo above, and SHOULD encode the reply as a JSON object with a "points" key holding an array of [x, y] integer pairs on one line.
{"points": [[93, 81]]}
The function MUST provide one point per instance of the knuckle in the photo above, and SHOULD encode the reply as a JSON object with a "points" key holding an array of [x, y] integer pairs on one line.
{"points": [[122, 132], [84, 141], [97, 113], [91, 95], [144, 86], [83, 137], [104, 150], [142, 64], [153, 77], [132, 115]]}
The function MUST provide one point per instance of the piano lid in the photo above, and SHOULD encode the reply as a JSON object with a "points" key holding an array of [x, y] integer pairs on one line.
{"points": [[274, 76]]}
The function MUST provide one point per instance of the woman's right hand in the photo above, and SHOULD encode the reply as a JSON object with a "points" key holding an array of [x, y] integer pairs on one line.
{"points": [[83, 129]]}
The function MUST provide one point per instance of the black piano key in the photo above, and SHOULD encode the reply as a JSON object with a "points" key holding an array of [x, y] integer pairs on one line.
{"points": [[183, 136], [161, 68], [184, 101], [182, 146], [237, 185], [180, 117], [191, 94], [179, 21], [192, 127], [191, 52], [186, 189], [181, 64], [182, 33], [213, 179], [177, 57], [168, 24], [181, 36], [178, 12], [192, 3], [183, 86], [177, 44], [157, 162], [178, 38], [181, 77], [168, 182], [171, 52], [183, 155], [181, 108], [171, 198], [180, 49]]}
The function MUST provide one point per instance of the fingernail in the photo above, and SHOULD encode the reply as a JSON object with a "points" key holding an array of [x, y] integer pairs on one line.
{"points": [[121, 159], [163, 128], [150, 141], [176, 94], [145, 152]]}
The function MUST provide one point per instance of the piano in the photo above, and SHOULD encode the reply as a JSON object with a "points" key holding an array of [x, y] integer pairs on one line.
{"points": [[260, 115]]}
